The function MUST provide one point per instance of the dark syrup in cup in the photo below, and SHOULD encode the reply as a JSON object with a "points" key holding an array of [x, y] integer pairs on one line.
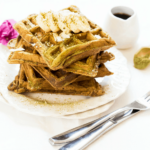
{"points": [[122, 15]]}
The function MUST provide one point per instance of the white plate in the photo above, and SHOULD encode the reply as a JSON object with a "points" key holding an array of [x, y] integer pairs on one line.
{"points": [[90, 113], [65, 106]]}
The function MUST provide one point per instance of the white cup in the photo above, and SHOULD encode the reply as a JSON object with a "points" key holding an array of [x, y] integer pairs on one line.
{"points": [[124, 32]]}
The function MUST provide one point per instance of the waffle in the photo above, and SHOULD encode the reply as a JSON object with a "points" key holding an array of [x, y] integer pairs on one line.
{"points": [[20, 57], [30, 56], [61, 54], [57, 78], [85, 67], [103, 71], [30, 81], [90, 64], [61, 79]]}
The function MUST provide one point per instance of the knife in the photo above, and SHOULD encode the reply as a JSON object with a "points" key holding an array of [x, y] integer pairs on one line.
{"points": [[87, 139]]}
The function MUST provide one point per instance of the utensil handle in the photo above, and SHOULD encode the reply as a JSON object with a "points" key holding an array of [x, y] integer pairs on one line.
{"points": [[87, 139], [79, 131]]}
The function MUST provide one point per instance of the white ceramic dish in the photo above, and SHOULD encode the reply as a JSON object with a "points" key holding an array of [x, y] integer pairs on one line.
{"points": [[65, 106], [124, 32], [90, 113]]}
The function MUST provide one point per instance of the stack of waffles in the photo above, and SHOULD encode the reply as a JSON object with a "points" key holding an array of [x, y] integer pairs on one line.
{"points": [[60, 53]]}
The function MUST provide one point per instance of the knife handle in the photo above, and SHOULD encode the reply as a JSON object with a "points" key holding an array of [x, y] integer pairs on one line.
{"points": [[87, 139], [79, 131]]}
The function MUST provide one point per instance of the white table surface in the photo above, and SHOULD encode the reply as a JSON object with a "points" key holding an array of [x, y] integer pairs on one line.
{"points": [[21, 131]]}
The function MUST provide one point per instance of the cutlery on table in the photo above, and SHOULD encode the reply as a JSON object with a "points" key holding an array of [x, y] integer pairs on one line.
{"points": [[80, 137]]}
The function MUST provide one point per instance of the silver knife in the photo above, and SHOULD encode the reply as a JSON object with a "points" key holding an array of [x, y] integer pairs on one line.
{"points": [[87, 139]]}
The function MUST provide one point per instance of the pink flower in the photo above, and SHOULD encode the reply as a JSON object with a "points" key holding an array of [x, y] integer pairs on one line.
{"points": [[7, 32]]}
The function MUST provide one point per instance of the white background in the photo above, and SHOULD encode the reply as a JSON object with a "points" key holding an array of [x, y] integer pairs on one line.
{"points": [[20, 131]]}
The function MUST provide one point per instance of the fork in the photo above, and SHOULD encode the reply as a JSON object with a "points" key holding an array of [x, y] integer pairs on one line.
{"points": [[80, 137]]}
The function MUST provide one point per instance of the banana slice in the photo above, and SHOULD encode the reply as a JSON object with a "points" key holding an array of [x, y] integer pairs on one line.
{"points": [[42, 21], [48, 22], [69, 21], [52, 21], [78, 23], [64, 20]]}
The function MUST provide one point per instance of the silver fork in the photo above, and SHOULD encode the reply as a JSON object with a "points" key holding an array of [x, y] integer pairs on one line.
{"points": [[85, 134]]}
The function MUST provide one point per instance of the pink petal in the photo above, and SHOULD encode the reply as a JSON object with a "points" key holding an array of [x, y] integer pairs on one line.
{"points": [[5, 29], [12, 21], [13, 35], [4, 41], [7, 32]]}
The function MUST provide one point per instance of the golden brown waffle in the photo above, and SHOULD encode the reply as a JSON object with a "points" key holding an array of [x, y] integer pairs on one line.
{"points": [[103, 71], [105, 56], [58, 78], [19, 85], [20, 57], [60, 66], [29, 55], [83, 67], [60, 55], [31, 81], [13, 42]]}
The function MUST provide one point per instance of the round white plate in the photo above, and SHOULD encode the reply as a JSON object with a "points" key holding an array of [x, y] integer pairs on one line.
{"points": [[90, 113], [65, 106]]}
